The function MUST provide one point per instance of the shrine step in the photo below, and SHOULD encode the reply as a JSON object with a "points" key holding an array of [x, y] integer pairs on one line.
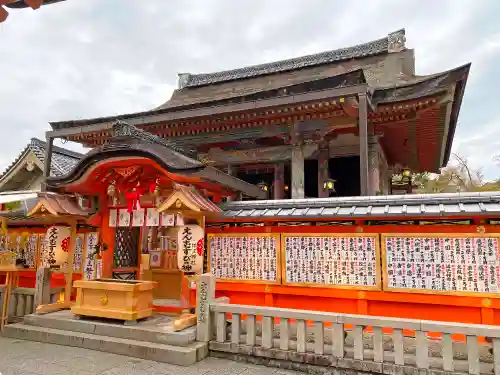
{"points": [[157, 329], [176, 355]]}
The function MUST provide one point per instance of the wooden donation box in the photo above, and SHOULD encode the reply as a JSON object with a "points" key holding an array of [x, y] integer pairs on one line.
{"points": [[114, 299]]}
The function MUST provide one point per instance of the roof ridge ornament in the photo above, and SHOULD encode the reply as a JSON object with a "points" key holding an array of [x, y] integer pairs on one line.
{"points": [[183, 80], [396, 41]]}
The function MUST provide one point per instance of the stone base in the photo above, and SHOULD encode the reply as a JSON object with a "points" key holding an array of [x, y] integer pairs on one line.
{"points": [[153, 338]]}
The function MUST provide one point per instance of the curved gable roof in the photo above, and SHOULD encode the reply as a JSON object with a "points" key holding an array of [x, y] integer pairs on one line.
{"points": [[63, 160]]}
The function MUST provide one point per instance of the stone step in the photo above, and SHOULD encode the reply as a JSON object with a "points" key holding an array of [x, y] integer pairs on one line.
{"points": [[177, 355], [158, 329]]}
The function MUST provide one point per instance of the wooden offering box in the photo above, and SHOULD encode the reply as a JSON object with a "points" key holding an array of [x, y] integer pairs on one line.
{"points": [[114, 299]]}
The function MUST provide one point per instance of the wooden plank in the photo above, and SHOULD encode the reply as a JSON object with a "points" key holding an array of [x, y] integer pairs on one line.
{"points": [[44, 309]]}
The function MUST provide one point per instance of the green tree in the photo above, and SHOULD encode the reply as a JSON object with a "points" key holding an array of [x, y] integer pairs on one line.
{"points": [[458, 176]]}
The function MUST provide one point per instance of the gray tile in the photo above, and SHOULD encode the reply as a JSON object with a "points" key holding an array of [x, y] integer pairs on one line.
{"points": [[37, 366], [15, 371], [95, 364]]}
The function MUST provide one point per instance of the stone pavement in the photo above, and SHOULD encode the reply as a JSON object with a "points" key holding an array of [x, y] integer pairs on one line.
{"points": [[18, 357]]}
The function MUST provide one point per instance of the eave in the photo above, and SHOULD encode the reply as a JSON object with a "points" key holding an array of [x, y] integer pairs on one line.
{"points": [[415, 206]]}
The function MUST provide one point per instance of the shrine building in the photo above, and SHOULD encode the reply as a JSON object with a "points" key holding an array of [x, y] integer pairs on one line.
{"points": [[276, 178], [352, 116]]}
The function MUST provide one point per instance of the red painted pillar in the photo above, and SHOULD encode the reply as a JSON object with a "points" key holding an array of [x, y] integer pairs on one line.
{"points": [[108, 237]]}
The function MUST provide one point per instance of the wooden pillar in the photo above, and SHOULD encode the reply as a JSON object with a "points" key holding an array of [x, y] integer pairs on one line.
{"points": [[373, 167], [47, 162], [363, 142], [69, 274], [279, 181], [107, 236], [323, 173], [297, 172]]}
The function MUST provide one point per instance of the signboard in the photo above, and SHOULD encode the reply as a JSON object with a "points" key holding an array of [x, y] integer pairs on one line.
{"points": [[433, 263], [245, 257], [329, 260], [190, 248]]}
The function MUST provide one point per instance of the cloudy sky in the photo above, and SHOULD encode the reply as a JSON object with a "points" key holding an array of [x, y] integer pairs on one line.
{"points": [[88, 58]]}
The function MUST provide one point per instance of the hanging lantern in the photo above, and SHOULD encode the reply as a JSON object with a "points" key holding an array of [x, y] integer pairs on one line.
{"points": [[262, 185], [190, 248], [329, 185], [111, 189], [58, 238], [157, 191]]}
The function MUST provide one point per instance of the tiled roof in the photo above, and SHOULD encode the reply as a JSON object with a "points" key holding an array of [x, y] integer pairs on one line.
{"points": [[414, 205], [63, 160], [362, 50]]}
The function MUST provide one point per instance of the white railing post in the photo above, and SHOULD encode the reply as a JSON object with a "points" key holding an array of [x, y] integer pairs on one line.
{"points": [[284, 334], [398, 343], [447, 344], [235, 328], [338, 340], [378, 344], [358, 342], [205, 294], [473, 355], [301, 336], [267, 332], [496, 356], [319, 338], [422, 350], [250, 325]]}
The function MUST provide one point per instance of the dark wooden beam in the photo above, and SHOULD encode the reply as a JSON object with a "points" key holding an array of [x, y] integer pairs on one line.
{"points": [[155, 116], [47, 161], [363, 142]]}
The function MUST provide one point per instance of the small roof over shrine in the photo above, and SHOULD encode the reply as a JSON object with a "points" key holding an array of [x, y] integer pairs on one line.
{"points": [[188, 198], [58, 206]]}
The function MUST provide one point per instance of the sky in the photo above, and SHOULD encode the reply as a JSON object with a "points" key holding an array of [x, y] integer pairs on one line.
{"points": [[90, 58]]}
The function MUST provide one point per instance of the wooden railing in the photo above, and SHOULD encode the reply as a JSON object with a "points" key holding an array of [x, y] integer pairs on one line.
{"points": [[22, 301], [298, 339]]}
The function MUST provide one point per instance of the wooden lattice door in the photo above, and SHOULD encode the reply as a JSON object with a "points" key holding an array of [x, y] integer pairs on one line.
{"points": [[127, 247]]}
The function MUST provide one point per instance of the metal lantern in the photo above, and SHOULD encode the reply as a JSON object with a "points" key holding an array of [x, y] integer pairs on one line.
{"points": [[406, 174], [262, 185], [329, 185]]}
